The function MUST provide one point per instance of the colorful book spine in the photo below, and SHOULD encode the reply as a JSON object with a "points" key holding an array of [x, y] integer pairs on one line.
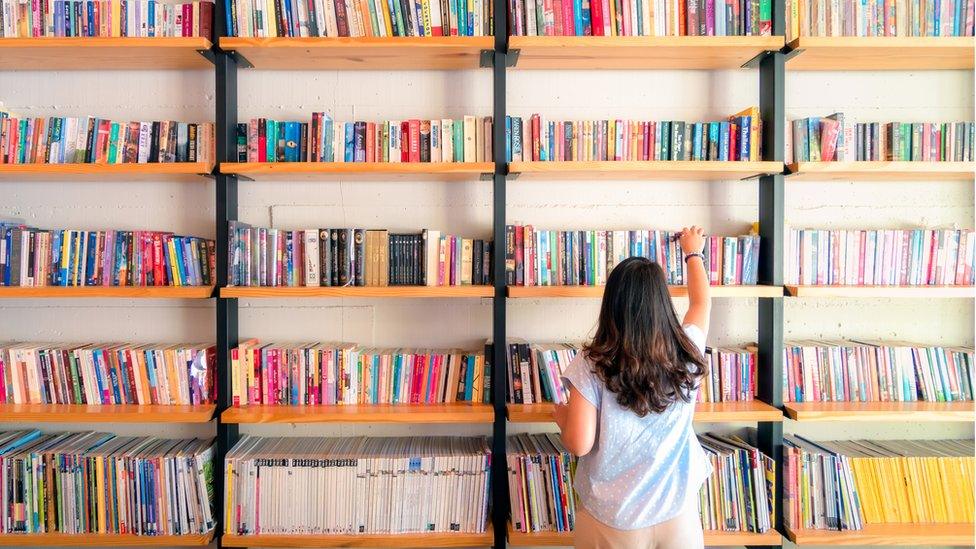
{"points": [[106, 18]]}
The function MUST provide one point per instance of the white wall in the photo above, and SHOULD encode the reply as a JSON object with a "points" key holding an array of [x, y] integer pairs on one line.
{"points": [[465, 208]]}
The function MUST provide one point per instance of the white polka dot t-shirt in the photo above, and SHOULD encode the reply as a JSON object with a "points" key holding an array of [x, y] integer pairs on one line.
{"points": [[642, 470]]}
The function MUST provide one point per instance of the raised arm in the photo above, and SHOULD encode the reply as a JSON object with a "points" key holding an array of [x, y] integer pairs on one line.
{"points": [[692, 242]]}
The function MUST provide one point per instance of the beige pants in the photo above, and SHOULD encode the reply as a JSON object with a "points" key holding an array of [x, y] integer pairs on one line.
{"points": [[682, 532]]}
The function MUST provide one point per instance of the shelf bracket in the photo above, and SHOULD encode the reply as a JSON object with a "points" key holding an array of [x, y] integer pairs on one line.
{"points": [[487, 57], [754, 62], [511, 175], [487, 176], [242, 61], [793, 53], [207, 54]]}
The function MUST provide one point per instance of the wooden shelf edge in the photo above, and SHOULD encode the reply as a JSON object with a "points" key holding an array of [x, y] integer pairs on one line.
{"points": [[258, 169], [742, 291], [648, 168], [328, 42], [869, 170], [378, 413], [954, 534], [881, 411], [712, 538], [880, 53], [106, 170], [706, 412], [358, 291], [418, 541], [881, 291], [103, 540], [177, 42], [121, 413], [112, 292]]}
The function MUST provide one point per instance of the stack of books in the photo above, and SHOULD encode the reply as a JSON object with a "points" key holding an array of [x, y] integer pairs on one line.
{"points": [[99, 373], [864, 371], [535, 372], [538, 139], [466, 139], [739, 495], [338, 374], [106, 18], [879, 18], [66, 140], [843, 485], [884, 257], [39, 257], [539, 257], [382, 18], [354, 257], [731, 375], [830, 138], [99, 483], [640, 18], [540, 483], [356, 485]]}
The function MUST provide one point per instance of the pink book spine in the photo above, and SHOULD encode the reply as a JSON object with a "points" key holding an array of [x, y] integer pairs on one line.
{"points": [[862, 243]]}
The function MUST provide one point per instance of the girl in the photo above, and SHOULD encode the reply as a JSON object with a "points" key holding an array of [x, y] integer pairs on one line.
{"points": [[631, 403]]}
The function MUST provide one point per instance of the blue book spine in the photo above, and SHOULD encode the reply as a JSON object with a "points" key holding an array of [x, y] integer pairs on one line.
{"points": [[228, 11], [418, 8], [90, 260], [469, 381], [113, 375], [578, 17], [586, 17], [292, 136], [744, 133], [350, 143], [508, 138], [723, 141], [958, 18], [152, 18], [713, 135], [90, 15], [180, 261]]}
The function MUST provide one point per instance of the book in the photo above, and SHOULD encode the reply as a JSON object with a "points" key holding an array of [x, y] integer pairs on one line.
{"points": [[880, 18], [106, 18], [881, 257], [535, 371], [731, 375], [331, 374], [536, 139], [357, 485], [865, 371], [826, 140], [100, 483], [260, 256], [66, 140], [586, 257], [95, 374], [540, 480], [31, 257]]}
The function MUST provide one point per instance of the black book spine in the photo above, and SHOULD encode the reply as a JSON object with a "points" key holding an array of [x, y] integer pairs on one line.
{"points": [[486, 267], [92, 131], [360, 238], [419, 260], [422, 260], [325, 263], [336, 260], [303, 141], [154, 143], [343, 257], [394, 260], [280, 142], [510, 255], [359, 142], [425, 140], [514, 373], [242, 142], [476, 268], [407, 18]]}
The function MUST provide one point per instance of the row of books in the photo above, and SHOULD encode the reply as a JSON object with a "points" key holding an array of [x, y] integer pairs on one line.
{"points": [[356, 485], [843, 485], [68, 140], [99, 483], [466, 139], [381, 18], [640, 18], [827, 139], [88, 18], [538, 139], [342, 373], [879, 18], [539, 257], [39, 257], [859, 371], [884, 257], [107, 373], [354, 257], [540, 483], [731, 375]]}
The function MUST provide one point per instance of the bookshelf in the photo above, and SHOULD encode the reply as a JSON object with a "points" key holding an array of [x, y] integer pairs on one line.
{"points": [[104, 540], [357, 291], [639, 52], [104, 53], [112, 292], [881, 411], [114, 413], [676, 291], [888, 534], [362, 53], [881, 291], [442, 171], [367, 540], [187, 171], [811, 53], [461, 412], [705, 412], [649, 170], [712, 539], [883, 171]]}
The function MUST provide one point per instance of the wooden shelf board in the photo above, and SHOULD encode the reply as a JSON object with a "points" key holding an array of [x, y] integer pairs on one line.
{"points": [[648, 170], [149, 292], [187, 171], [881, 53], [358, 291], [676, 291], [892, 171], [290, 171], [881, 291], [712, 538], [103, 540], [364, 540], [639, 52], [116, 413], [375, 413], [364, 53], [705, 412], [881, 411], [889, 534], [103, 53]]}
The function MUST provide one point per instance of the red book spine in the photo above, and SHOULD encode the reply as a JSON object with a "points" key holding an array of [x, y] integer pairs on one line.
{"points": [[733, 142], [415, 378], [206, 20], [596, 17], [405, 141], [557, 13], [187, 20], [262, 140], [370, 142], [414, 140], [341, 18], [519, 255], [535, 137], [569, 21]]}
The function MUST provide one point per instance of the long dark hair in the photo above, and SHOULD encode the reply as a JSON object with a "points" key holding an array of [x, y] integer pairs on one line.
{"points": [[640, 350]]}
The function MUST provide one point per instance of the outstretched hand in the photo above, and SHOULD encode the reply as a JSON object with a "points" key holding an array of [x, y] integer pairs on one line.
{"points": [[692, 240]]}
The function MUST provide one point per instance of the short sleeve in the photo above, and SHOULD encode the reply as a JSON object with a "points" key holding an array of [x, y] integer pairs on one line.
{"points": [[696, 335], [580, 375]]}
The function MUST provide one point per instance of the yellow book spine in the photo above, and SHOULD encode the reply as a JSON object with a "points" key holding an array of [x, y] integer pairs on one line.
{"points": [[271, 19], [387, 20], [116, 18], [229, 497], [171, 258], [102, 497]]}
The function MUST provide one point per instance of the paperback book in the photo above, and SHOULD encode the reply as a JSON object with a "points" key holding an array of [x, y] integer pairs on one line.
{"points": [[106, 18], [944, 18]]}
